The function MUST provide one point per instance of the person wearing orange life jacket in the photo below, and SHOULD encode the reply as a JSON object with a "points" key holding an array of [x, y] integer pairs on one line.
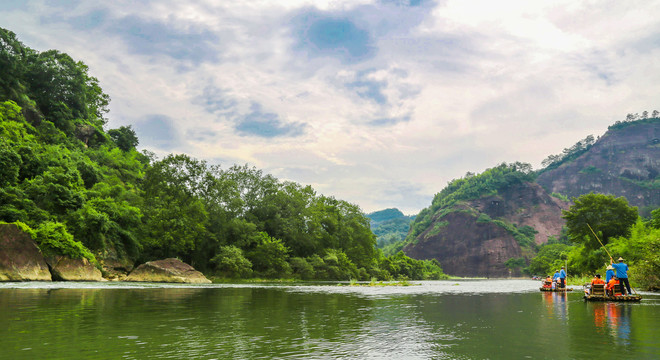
{"points": [[610, 286], [547, 283], [596, 281]]}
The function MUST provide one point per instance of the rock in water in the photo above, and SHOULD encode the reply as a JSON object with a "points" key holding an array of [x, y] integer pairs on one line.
{"points": [[168, 270], [20, 258], [68, 269]]}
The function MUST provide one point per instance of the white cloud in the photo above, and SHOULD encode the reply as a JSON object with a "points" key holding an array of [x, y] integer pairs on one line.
{"points": [[427, 94]]}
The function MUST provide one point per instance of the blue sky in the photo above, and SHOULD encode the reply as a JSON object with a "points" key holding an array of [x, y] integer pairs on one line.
{"points": [[379, 103]]}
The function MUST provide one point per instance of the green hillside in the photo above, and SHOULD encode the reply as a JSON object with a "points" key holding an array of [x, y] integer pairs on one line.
{"points": [[390, 226], [85, 191]]}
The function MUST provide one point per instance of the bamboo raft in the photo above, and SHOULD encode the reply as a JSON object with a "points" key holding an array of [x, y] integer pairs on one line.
{"points": [[597, 293], [555, 290], [628, 298]]}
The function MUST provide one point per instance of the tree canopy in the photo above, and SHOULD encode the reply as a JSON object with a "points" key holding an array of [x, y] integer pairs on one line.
{"points": [[607, 216]]}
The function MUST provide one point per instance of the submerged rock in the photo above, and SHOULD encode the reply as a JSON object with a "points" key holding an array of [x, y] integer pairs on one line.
{"points": [[68, 269], [167, 270], [20, 258]]}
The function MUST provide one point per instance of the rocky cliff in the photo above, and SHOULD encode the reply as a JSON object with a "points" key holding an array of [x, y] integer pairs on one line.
{"points": [[20, 258], [476, 237], [623, 162]]}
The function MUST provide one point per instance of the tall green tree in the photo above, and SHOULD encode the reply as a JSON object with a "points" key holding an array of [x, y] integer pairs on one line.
{"points": [[608, 217]]}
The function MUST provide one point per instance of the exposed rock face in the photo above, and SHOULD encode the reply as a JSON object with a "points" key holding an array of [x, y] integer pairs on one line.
{"points": [[526, 204], [67, 269], [465, 246], [168, 270], [115, 269], [619, 163], [20, 258]]}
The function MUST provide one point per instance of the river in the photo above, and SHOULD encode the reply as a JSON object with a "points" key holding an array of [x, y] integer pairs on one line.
{"points": [[464, 319]]}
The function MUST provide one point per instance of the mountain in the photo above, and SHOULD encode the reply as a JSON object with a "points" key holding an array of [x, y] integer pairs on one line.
{"points": [[389, 226], [486, 224], [623, 162], [490, 224]]}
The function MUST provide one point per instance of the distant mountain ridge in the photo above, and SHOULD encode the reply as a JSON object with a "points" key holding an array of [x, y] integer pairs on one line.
{"points": [[623, 162], [389, 226], [489, 224]]}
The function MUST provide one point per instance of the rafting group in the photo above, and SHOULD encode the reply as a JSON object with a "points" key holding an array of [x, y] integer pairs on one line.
{"points": [[615, 287], [556, 283]]}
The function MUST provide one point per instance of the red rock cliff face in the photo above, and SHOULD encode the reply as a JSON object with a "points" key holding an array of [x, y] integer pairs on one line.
{"points": [[619, 163], [467, 247]]}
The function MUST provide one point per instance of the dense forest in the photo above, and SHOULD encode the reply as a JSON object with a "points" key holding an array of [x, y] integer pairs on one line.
{"points": [[390, 226], [82, 191]]}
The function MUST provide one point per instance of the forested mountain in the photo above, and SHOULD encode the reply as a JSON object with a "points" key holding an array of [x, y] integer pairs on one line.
{"points": [[486, 224], [494, 223], [625, 161], [390, 226], [87, 192]]}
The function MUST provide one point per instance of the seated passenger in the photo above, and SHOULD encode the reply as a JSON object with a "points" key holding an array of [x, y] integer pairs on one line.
{"points": [[597, 280], [610, 286], [547, 283]]}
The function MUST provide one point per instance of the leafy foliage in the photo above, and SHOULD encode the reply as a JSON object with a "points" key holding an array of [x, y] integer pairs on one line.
{"points": [[88, 191], [606, 215], [568, 154]]}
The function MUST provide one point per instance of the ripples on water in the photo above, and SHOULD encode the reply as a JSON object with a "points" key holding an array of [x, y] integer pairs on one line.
{"points": [[464, 319]]}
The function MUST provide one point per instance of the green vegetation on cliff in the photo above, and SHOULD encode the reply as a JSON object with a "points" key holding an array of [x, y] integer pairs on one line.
{"points": [[470, 187], [89, 193]]}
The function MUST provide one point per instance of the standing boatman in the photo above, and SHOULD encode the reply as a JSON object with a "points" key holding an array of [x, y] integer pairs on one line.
{"points": [[622, 273], [562, 277]]}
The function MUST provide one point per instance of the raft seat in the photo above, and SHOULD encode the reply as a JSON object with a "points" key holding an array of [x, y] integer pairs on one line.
{"points": [[617, 289], [598, 290]]}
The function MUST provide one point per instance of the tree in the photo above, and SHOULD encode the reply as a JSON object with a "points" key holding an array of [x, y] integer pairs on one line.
{"points": [[124, 137], [231, 262], [608, 217]]}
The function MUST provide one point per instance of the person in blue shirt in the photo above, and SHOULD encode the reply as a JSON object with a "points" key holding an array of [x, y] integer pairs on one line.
{"points": [[562, 277], [622, 273], [609, 273]]}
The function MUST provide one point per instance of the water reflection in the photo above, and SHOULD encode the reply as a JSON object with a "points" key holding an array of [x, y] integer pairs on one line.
{"points": [[556, 304], [618, 320], [443, 320]]}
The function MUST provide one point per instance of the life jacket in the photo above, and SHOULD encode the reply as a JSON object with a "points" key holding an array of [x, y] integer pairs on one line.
{"points": [[597, 281], [610, 285]]}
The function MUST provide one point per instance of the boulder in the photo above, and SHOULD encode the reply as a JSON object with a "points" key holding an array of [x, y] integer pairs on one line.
{"points": [[167, 270], [20, 257], [115, 269], [68, 269]]}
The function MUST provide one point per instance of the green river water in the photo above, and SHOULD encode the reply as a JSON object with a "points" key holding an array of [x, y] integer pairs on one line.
{"points": [[497, 319]]}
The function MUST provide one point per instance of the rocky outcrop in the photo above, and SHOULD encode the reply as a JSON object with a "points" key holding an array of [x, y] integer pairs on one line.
{"points": [[64, 268], [469, 239], [116, 269], [623, 162], [167, 270], [20, 258]]}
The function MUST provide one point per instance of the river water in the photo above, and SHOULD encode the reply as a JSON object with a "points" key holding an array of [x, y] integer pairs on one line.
{"points": [[497, 319]]}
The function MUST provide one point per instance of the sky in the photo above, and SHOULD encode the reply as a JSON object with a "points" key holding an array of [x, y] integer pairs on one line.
{"points": [[377, 102]]}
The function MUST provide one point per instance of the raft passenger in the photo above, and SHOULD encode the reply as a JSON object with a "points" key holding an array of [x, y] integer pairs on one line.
{"points": [[609, 273], [610, 286], [597, 280]]}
